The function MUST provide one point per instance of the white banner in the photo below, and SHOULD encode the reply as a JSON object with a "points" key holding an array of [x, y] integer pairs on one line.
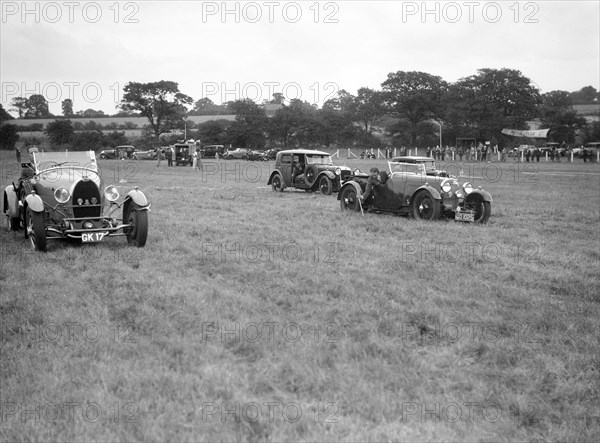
{"points": [[540, 133]]}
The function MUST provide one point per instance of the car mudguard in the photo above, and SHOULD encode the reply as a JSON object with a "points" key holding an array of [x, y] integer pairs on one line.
{"points": [[138, 198], [34, 202], [352, 183], [275, 172], [434, 192], [484, 194], [329, 174], [11, 201]]}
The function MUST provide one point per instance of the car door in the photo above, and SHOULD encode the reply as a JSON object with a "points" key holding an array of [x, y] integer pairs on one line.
{"points": [[286, 168]]}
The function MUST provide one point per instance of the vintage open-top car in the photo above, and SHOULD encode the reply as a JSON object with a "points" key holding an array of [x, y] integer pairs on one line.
{"points": [[413, 186], [308, 170], [61, 195]]}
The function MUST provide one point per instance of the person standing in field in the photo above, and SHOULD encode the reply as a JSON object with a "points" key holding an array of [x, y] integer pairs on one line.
{"points": [[196, 161], [159, 156]]}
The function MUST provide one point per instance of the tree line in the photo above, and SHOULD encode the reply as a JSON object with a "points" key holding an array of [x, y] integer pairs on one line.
{"points": [[409, 109]]}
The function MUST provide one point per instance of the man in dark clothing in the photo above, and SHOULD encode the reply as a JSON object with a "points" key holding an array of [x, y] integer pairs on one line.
{"points": [[374, 180]]}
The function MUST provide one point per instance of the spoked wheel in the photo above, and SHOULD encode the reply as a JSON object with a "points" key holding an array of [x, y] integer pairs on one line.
{"points": [[276, 183], [138, 229], [482, 209], [325, 185], [425, 207], [349, 200], [35, 230]]}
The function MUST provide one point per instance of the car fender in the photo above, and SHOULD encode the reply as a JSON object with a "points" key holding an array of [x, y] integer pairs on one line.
{"points": [[273, 174], [329, 174], [484, 194], [348, 184], [34, 202], [434, 192], [138, 197], [11, 202]]}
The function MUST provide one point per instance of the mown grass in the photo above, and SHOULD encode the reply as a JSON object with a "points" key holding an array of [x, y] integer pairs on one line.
{"points": [[252, 315]]}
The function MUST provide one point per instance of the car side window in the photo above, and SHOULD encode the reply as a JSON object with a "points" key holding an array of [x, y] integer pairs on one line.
{"points": [[286, 159]]}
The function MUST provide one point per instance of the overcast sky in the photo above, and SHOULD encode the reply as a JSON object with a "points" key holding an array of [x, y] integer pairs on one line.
{"points": [[88, 51]]}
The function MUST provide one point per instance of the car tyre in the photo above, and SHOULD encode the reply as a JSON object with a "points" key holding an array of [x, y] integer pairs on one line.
{"points": [[349, 201], [325, 185], [35, 229], [425, 207], [138, 231], [482, 208], [276, 183]]}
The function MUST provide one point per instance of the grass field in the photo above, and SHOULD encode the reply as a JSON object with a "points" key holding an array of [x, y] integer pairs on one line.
{"points": [[253, 316]]}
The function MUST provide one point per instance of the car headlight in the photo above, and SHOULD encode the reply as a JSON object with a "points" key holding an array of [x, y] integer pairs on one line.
{"points": [[111, 193], [467, 187], [356, 172], [446, 185], [62, 195], [338, 171]]}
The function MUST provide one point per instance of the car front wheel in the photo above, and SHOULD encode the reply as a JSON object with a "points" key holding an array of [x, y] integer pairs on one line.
{"points": [[138, 229], [325, 185], [482, 208], [36, 230], [276, 183], [425, 207], [349, 201]]}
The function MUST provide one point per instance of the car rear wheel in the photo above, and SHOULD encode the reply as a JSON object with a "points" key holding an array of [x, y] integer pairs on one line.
{"points": [[276, 183], [425, 207], [36, 230], [325, 185], [349, 201], [138, 229], [482, 208]]}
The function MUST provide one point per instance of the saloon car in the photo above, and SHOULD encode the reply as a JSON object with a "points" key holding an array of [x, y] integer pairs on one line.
{"points": [[62, 195], [238, 153], [149, 154], [125, 151], [308, 170], [417, 188]]}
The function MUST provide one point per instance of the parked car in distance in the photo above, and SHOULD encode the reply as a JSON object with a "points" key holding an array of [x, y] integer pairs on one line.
{"points": [[272, 153], [124, 151], [211, 151], [238, 153], [308, 170], [257, 156], [418, 189], [149, 154], [62, 195]]}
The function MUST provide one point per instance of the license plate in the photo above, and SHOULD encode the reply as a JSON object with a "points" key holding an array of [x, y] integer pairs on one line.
{"points": [[464, 216], [92, 237]]}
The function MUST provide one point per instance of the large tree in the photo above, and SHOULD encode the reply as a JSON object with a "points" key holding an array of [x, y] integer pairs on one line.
{"points": [[67, 107], [160, 102], [4, 116], [366, 108], [36, 106], [19, 104], [414, 96], [559, 116], [250, 125], [59, 132]]}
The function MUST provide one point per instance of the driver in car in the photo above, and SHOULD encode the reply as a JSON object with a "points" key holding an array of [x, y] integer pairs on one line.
{"points": [[374, 180], [297, 169]]}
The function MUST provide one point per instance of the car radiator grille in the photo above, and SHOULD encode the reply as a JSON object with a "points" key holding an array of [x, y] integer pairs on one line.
{"points": [[346, 174], [86, 200]]}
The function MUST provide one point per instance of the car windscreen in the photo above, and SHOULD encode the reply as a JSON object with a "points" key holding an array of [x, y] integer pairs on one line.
{"points": [[82, 159], [318, 160]]}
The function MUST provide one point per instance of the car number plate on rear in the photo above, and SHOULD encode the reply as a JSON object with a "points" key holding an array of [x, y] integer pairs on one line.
{"points": [[92, 237], [464, 216]]}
